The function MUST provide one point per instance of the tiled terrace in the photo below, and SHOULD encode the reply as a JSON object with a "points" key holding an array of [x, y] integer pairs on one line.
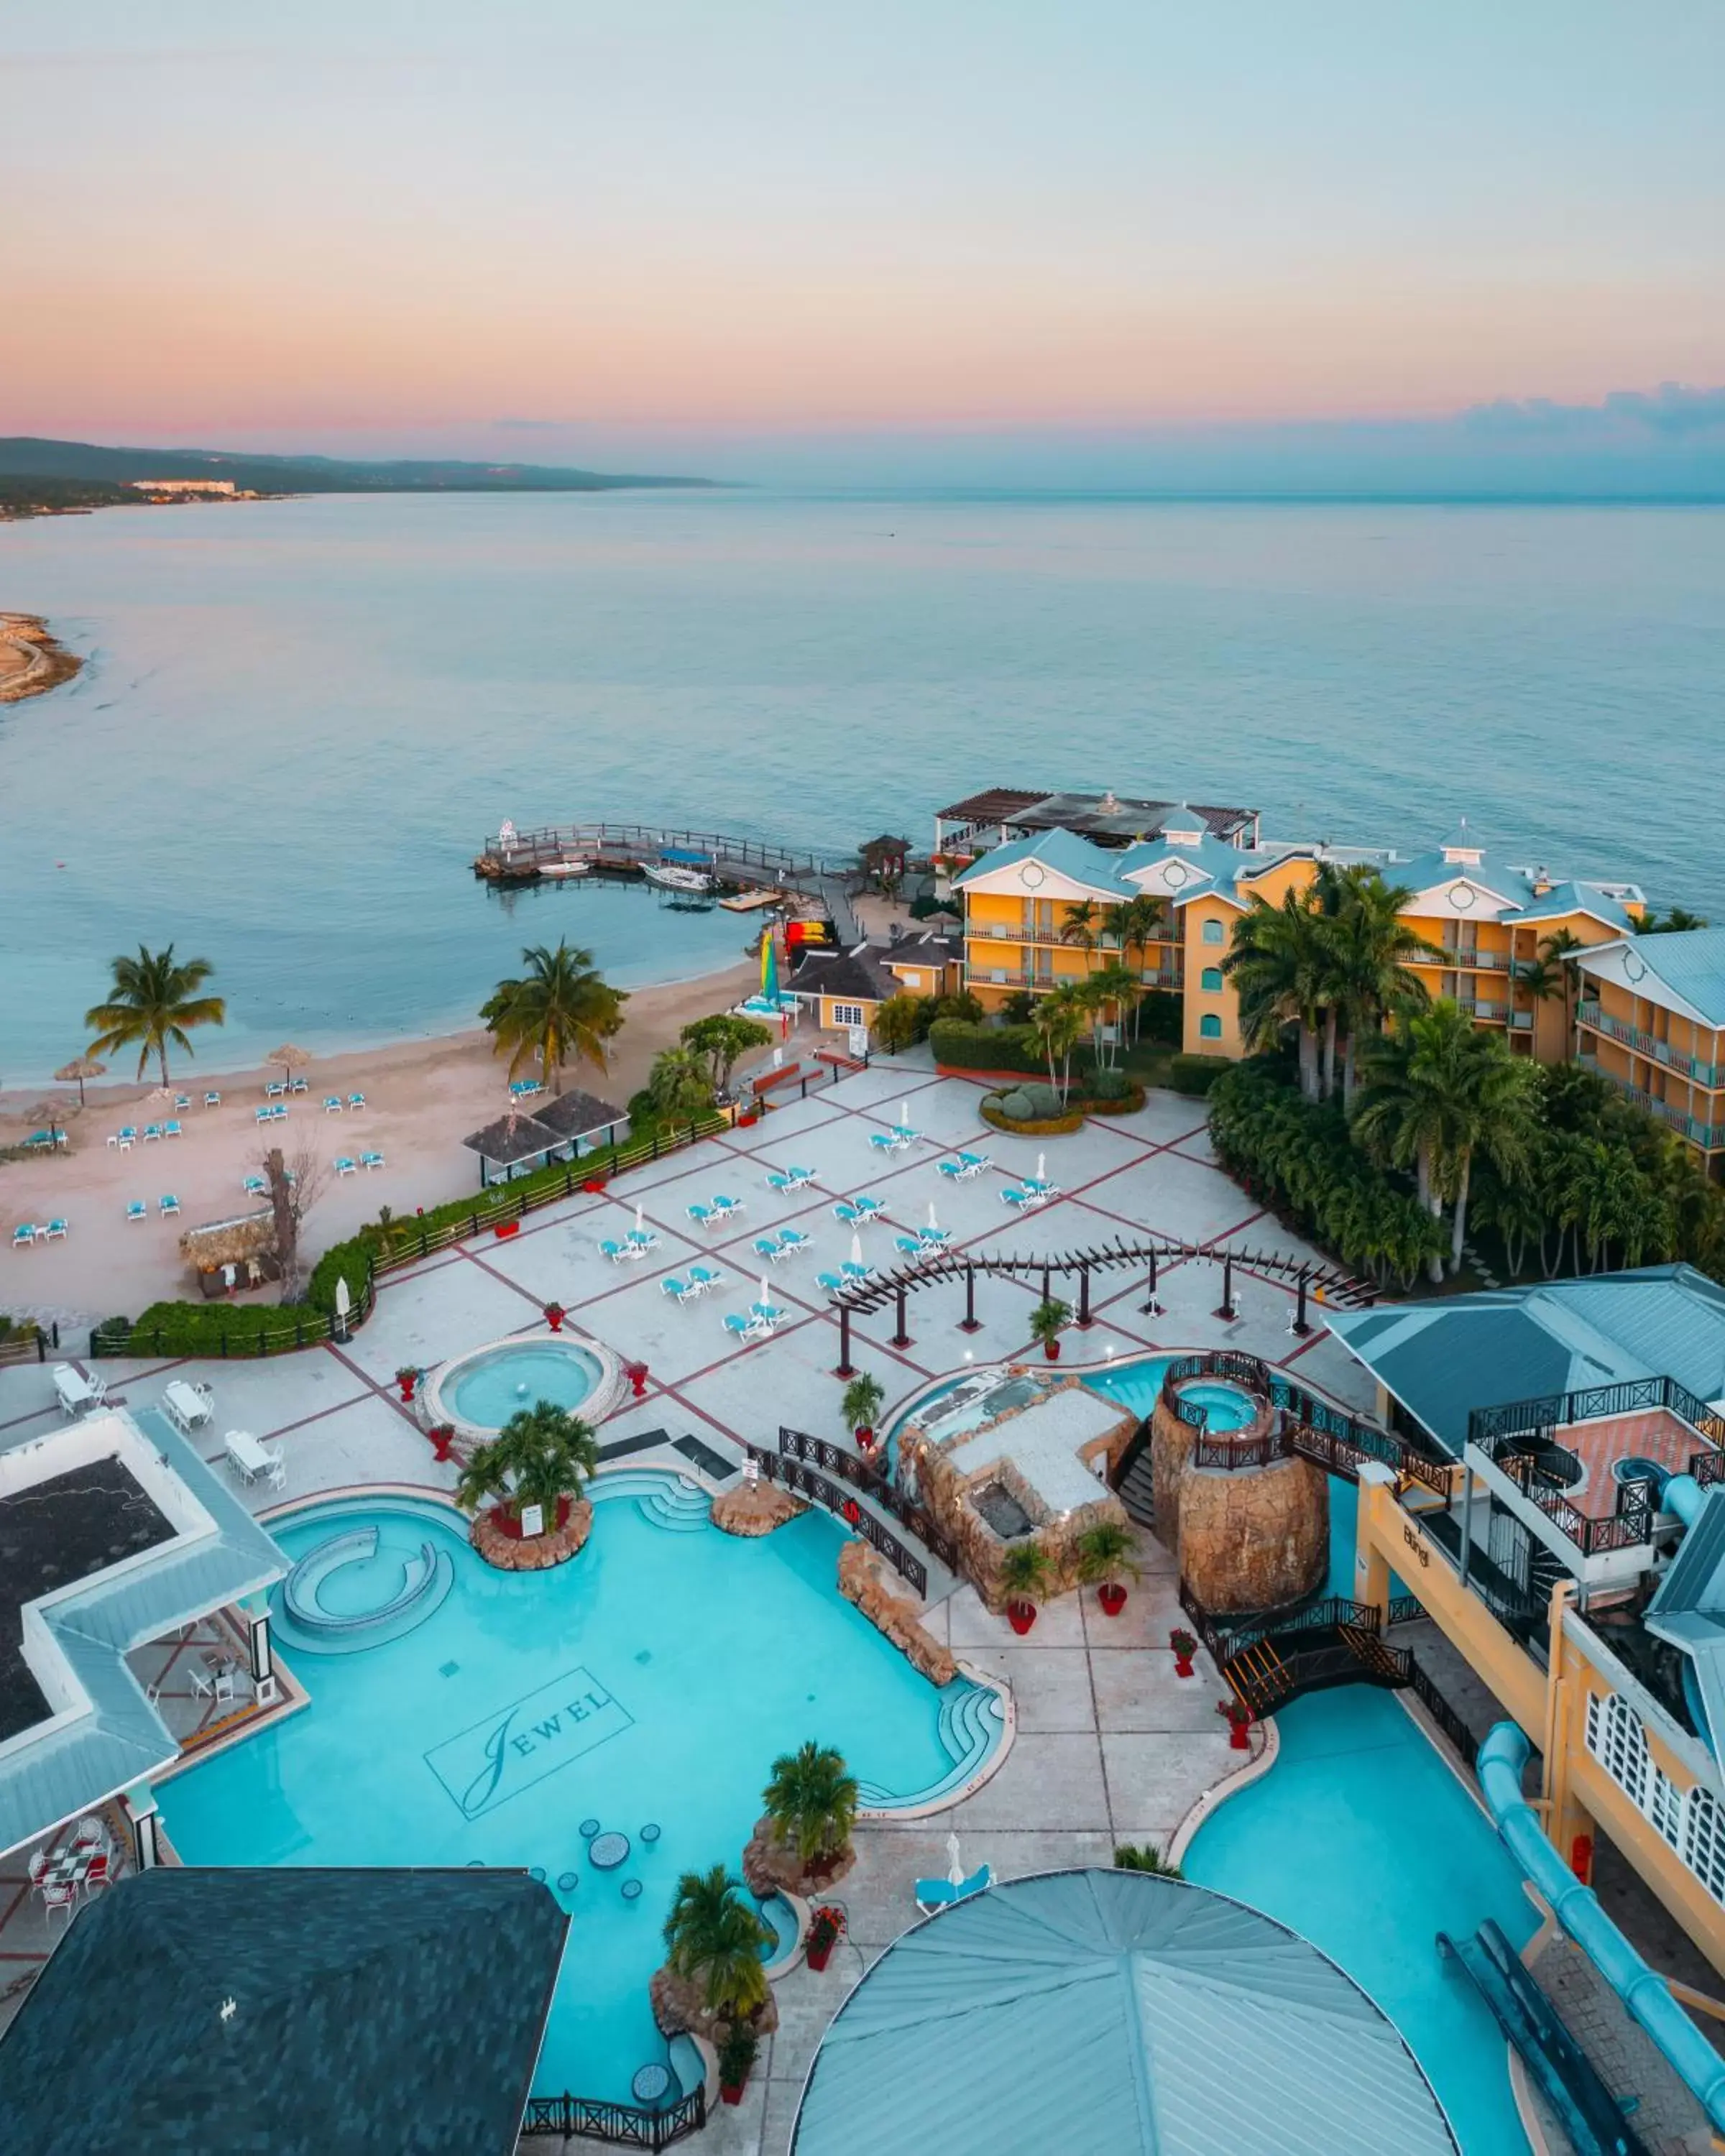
{"points": [[1111, 1746]]}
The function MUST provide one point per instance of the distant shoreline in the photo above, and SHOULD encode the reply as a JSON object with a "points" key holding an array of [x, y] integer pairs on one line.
{"points": [[33, 659]]}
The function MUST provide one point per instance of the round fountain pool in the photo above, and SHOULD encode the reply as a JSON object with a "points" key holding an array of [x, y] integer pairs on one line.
{"points": [[1225, 1407], [479, 1393]]}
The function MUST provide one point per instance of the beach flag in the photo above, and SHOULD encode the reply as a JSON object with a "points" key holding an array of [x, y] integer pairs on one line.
{"points": [[769, 969]]}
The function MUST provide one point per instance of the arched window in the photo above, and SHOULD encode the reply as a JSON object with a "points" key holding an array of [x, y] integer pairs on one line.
{"points": [[1210, 1027], [1211, 980], [1213, 931]]}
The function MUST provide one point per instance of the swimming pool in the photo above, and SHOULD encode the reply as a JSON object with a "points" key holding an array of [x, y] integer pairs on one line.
{"points": [[486, 1388], [1362, 1838], [649, 1683]]}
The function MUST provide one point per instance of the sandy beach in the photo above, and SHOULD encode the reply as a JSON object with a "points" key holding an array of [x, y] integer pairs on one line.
{"points": [[422, 1098], [33, 659]]}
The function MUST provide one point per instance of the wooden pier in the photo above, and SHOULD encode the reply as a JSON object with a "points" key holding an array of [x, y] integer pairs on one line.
{"points": [[514, 857]]}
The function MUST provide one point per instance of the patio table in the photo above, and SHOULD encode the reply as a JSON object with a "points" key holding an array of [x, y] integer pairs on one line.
{"points": [[246, 1454], [69, 1866]]}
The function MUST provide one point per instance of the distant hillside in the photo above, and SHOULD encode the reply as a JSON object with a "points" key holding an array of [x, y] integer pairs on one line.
{"points": [[23, 494], [30, 456]]}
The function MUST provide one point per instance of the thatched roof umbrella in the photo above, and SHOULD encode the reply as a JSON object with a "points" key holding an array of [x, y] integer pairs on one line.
{"points": [[79, 1069], [290, 1059], [51, 1112], [228, 1242]]}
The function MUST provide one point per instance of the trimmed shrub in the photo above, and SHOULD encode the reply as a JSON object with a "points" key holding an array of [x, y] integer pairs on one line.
{"points": [[961, 1046], [1016, 1104], [1196, 1074], [1044, 1101], [1037, 1127], [903, 1021], [1160, 1017], [1110, 1085]]}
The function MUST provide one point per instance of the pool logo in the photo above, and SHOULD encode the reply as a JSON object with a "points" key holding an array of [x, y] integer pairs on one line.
{"points": [[534, 1736]]}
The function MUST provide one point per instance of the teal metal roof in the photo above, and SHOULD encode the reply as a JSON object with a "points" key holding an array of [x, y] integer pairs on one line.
{"points": [[1442, 1359], [1564, 899], [1688, 1610], [1099, 2013], [1097, 866], [1692, 961]]}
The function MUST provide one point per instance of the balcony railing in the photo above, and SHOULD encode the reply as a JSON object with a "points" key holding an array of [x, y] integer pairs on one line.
{"points": [[1694, 1068], [1452, 960], [1710, 1137], [994, 931], [1475, 1007], [1009, 977]]}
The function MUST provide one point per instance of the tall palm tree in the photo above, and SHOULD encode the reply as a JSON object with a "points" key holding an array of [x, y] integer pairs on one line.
{"points": [[561, 1007], [1370, 951], [714, 1937], [154, 999], [1279, 962], [679, 1084], [1134, 924], [542, 1455], [1559, 949], [812, 1800], [1058, 1021], [1674, 921], [1117, 985], [1082, 927]]}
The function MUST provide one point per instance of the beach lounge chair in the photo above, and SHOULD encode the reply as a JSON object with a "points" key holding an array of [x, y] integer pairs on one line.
{"points": [[703, 1280], [847, 1214], [54, 1232], [151, 1132], [278, 1114], [263, 1115], [792, 1239], [298, 1085], [934, 1238], [182, 1102], [1021, 1201], [909, 1245], [724, 1207], [275, 1089], [345, 1164], [128, 1134], [975, 1162], [967, 1165], [23, 1236], [172, 1129], [932, 1894], [136, 1210], [950, 1169], [885, 1141], [641, 1240], [679, 1290], [869, 1209], [253, 1185], [701, 1215], [853, 1272], [212, 1100], [793, 1180], [1040, 1186], [747, 1329], [371, 1160], [831, 1282], [170, 1206], [356, 1099], [770, 1248], [332, 1104]]}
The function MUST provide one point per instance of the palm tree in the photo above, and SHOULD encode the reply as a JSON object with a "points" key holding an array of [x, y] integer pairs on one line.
{"points": [[1134, 925], [811, 1800], [153, 1000], [680, 1086], [542, 1455], [715, 1938], [1057, 1021], [562, 1006], [1370, 949], [1279, 960], [1082, 927], [1559, 949], [1401, 1113], [1115, 984], [1106, 1552], [1674, 921]]}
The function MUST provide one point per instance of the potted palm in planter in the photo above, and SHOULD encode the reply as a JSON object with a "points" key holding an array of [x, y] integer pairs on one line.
{"points": [[555, 1314], [714, 1939], [864, 1399], [736, 2054], [1238, 1717], [1104, 1551], [1185, 1646], [541, 1456], [825, 1931], [811, 1808], [406, 1378], [1023, 1574], [1046, 1321]]}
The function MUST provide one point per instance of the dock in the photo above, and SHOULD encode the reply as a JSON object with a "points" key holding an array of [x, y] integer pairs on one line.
{"points": [[513, 857]]}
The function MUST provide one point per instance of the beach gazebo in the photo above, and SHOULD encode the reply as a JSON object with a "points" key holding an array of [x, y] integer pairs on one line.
{"points": [[514, 1145], [885, 857], [582, 1121], [229, 1254], [77, 1070]]}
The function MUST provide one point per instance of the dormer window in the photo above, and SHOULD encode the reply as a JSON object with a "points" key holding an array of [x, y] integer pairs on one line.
{"points": [[1181, 828], [1460, 849]]}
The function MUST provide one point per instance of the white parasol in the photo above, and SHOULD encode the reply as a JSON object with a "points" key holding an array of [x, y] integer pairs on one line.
{"points": [[856, 1256], [904, 1115], [1041, 1168], [932, 1221], [955, 1869]]}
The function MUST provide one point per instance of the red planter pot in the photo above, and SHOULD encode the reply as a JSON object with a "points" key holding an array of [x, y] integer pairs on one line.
{"points": [[637, 1373], [730, 2095], [817, 1957], [865, 1440], [407, 1386], [505, 1229], [1239, 1736], [1183, 1666], [1051, 1349], [1021, 1616], [1112, 1598], [555, 1323]]}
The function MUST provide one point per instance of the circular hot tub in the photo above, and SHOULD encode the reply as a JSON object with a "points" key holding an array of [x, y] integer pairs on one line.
{"points": [[478, 1393], [1226, 1406]]}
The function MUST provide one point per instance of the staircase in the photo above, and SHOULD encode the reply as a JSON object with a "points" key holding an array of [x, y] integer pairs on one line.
{"points": [[1258, 1678], [969, 1726], [661, 1497], [1135, 1483]]}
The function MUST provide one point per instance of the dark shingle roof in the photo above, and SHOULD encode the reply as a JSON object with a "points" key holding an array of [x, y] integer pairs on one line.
{"points": [[576, 1115], [398, 2010], [511, 1138], [855, 974]]}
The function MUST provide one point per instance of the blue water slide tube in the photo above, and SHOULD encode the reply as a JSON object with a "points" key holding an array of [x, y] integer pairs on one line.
{"points": [[1684, 1495], [1642, 1989]]}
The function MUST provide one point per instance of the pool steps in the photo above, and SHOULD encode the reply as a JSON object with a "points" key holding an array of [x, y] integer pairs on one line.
{"points": [[664, 1499], [969, 1726]]}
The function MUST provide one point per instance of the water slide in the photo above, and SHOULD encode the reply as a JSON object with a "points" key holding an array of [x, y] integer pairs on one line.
{"points": [[1643, 1991]]}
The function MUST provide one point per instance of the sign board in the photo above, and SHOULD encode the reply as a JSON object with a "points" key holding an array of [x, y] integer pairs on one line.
{"points": [[859, 1042], [532, 1520]]}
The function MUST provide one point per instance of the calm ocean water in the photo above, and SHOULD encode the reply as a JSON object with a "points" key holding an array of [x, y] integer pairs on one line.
{"points": [[300, 720]]}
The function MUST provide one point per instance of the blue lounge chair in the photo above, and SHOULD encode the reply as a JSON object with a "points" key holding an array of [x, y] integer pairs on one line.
{"points": [[253, 1185], [371, 1160], [853, 1271], [276, 1089], [259, 1115], [792, 1239], [745, 1329], [870, 1209], [883, 1141], [212, 1100], [356, 1099], [151, 1131], [1021, 1201], [909, 1245], [975, 1162], [831, 1282], [332, 1104], [182, 1102], [278, 1114], [724, 1207], [136, 1210], [952, 1171], [847, 1214], [765, 1314], [932, 1894], [703, 1280], [128, 1133], [679, 1291], [768, 1247], [345, 1164], [1039, 1186], [170, 1206], [23, 1236], [701, 1215], [54, 1232], [619, 1254], [934, 1238], [298, 1085], [172, 1129], [642, 1239]]}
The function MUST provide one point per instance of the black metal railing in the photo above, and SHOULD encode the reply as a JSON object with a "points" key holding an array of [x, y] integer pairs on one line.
{"points": [[1404, 1609], [588, 2118], [1546, 1412], [1439, 1708], [1628, 1526], [803, 1481], [231, 1334], [872, 1479]]}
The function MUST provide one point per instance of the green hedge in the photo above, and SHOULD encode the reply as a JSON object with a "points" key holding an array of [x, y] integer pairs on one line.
{"points": [[1160, 1017], [1196, 1074], [961, 1046], [215, 1329]]}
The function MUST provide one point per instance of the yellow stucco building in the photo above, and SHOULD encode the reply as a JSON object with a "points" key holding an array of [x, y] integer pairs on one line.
{"points": [[1651, 1018]]}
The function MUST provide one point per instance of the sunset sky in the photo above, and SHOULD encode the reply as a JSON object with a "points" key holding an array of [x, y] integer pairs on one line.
{"points": [[762, 235]]}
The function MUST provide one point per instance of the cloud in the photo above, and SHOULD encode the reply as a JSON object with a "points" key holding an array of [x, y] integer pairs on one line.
{"points": [[1674, 408], [536, 426]]}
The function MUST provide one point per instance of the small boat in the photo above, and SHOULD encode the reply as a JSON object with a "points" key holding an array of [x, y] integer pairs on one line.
{"points": [[576, 868], [668, 875]]}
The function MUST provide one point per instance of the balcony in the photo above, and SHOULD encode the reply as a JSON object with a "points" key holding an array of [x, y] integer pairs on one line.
{"points": [[1456, 960], [1691, 1067], [1475, 1008], [1003, 931], [1008, 977], [1709, 1137]]}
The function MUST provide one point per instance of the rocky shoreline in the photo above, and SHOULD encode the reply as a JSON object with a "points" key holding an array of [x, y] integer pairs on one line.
{"points": [[33, 659]]}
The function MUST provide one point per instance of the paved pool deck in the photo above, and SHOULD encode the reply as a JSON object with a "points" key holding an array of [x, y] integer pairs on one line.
{"points": [[1111, 1746]]}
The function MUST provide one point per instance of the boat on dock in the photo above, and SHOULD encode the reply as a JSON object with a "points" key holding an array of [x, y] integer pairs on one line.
{"points": [[673, 876], [561, 869]]}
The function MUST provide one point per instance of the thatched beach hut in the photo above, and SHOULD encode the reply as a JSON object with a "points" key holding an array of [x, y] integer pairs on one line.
{"points": [[514, 1145], [230, 1254]]}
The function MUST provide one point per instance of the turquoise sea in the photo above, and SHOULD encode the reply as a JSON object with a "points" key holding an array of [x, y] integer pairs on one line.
{"points": [[300, 719]]}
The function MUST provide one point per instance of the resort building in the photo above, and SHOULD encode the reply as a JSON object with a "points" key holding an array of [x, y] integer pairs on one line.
{"points": [[1651, 1014], [1002, 814], [1035, 910], [843, 989], [1573, 1551], [170, 486]]}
